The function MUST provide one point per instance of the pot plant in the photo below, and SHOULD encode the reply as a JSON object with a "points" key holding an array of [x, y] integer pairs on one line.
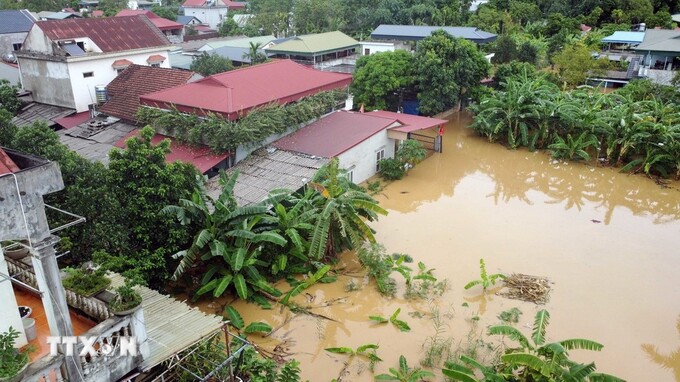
{"points": [[86, 280], [15, 250], [127, 299], [13, 362]]}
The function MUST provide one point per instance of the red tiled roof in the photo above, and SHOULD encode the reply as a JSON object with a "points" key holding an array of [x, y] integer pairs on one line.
{"points": [[236, 92], [161, 23], [410, 122], [73, 120], [124, 90], [334, 134], [111, 34], [200, 156], [7, 165], [121, 63], [156, 58], [229, 4]]}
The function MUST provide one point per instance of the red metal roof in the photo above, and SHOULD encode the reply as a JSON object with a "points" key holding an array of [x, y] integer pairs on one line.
{"points": [[334, 134], [111, 34], [73, 120], [410, 122], [161, 23], [124, 90], [223, 3], [234, 93], [7, 165], [200, 156]]}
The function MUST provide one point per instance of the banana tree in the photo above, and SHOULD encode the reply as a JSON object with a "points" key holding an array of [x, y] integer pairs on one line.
{"points": [[341, 212], [227, 246], [538, 360]]}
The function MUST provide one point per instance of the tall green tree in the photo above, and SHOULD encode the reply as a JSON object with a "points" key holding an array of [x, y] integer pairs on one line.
{"points": [[380, 79], [207, 64], [316, 16], [255, 53], [447, 68], [229, 27], [575, 62]]}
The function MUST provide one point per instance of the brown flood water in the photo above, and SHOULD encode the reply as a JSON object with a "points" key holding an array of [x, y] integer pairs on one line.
{"points": [[609, 242]]}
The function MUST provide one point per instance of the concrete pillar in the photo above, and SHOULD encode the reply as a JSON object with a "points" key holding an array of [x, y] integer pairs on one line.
{"points": [[54, 301], [138, 330]]}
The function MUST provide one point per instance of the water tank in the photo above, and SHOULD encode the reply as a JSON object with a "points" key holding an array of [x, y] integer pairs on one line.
{"points": [[101, 94]]}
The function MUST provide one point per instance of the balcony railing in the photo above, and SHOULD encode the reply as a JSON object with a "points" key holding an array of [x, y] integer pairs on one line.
{"points": [[46, 369]]}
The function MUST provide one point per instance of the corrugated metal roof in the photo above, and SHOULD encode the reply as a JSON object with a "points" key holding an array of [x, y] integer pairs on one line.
{"points": [[202, 157], [419, 32], [185, 20], [237, 42], [7, 165], [171, 325], [161, 23], [410, 122], [236, 92], [315, 44], [16, 21], [35, 112], [110, 34], [266, 170], [334, 134], [238, 54], [623, 37], [660, 41]]}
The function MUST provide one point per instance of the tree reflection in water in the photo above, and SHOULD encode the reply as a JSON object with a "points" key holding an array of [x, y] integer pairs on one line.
{"points": [[669, 361]]}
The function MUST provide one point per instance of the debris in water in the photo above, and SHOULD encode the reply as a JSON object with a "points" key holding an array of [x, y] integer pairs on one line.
{"points": [[595, 221], [526, 288]]}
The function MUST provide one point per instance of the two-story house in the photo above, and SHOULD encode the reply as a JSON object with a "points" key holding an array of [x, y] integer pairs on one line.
{"points": [[14, 25], [211, 12], [63, 62]]}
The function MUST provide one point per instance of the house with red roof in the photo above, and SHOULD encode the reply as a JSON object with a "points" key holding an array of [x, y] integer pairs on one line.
{"points": [[173, 30], [234, 93], [359, 140], [64, 62], [211, 12], [124, 91]]}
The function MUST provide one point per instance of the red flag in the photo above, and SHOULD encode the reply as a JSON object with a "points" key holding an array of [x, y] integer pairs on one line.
{"points": [[361, 109], [441, 129]]}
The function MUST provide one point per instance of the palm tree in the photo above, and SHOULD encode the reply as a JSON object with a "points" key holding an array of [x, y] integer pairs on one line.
{"points": [[227, 245], [342, 209], [255, 54]]}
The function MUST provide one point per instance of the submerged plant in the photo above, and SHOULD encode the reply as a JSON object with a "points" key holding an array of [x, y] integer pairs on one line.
{"points": [[367, 351], [486, 280], [404, 373], [401, 325], [510, 316], [533, 360], [237, 322]]}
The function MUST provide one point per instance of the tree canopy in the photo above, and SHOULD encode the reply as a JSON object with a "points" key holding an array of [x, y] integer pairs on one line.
{"points": [[379, 78], [446, 68], [207, 64]]}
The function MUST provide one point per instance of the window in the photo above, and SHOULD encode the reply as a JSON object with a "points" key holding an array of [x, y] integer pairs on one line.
{"points": [[380, 154], [350, 174], [16, 47], [120, 70], [367, 52], [88, 74], [156, 65]]}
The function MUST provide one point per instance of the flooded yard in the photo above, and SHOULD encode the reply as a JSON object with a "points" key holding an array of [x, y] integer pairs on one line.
{"points": [[609, 243]]}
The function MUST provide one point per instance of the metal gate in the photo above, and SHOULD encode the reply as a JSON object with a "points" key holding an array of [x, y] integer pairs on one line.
{"points": [[429, 142]]}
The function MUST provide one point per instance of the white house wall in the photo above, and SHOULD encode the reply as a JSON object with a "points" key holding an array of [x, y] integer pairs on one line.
{"points": [[375, 47], [83, 88], [48, 80], [211, 16], [9, 314], [38, 42], [360, 159]]}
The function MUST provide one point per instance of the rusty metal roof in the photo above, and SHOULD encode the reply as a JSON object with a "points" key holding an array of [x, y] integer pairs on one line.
{"points": [[110, 34]]}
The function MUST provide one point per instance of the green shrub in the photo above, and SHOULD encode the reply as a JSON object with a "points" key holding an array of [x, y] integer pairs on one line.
{"points": [[86, 281], [391, 169]]}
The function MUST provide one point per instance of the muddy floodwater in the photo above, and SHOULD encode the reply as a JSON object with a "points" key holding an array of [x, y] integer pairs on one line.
{"points": [[609, 243]]}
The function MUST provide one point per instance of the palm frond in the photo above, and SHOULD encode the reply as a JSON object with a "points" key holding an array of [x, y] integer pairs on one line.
{"points": [[579, 343], [512, 333], [541, 322]]}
